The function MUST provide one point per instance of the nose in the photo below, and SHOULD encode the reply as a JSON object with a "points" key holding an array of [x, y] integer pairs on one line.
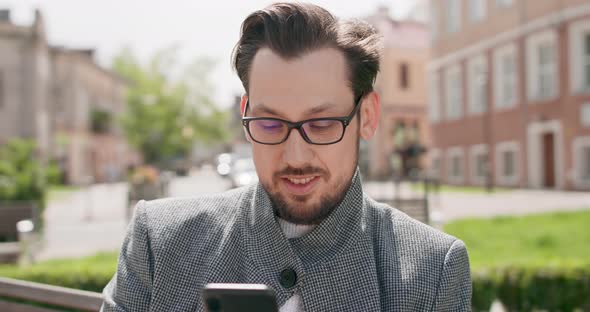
{"points": [[297, 152]]}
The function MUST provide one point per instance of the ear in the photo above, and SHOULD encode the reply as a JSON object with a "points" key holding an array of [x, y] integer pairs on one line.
{"points": [[370, 111], [243, 102]]}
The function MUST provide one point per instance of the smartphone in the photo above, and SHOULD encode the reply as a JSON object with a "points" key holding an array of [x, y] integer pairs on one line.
{"points": [[239, 297]]}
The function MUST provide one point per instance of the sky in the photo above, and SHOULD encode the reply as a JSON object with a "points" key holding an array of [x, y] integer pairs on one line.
{"points": [[207, 28]]}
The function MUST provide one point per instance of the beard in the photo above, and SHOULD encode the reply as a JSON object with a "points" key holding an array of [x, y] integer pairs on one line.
{"points": [[298, 209]]}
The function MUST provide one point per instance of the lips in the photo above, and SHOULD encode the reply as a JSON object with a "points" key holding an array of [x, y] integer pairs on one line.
{"points": [[300, 185]]}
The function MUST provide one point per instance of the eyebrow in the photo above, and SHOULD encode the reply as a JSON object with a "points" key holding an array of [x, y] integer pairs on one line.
{"points": [[261, 108]]}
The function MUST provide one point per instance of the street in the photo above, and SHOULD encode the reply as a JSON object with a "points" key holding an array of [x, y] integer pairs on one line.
{"points": [[93, 219]]}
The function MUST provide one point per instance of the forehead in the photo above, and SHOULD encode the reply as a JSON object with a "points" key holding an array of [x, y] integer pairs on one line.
{"points": [[294, 85]]}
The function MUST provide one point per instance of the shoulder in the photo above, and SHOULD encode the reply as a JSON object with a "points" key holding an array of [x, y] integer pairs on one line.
{"points": [[412, 239], [166, 217]]}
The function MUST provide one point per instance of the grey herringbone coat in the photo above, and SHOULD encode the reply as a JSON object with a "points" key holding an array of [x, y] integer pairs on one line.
{"points": [[365, 256]]}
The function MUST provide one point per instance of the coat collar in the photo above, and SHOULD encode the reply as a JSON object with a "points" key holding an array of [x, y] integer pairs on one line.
{"points": [[270, 252]]}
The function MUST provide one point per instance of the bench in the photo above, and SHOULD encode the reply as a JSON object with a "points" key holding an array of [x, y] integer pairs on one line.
{"points": [[23, 296], [10, 214], [416, 208]]}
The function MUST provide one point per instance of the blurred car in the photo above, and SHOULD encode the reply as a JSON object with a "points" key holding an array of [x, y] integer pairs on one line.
{"points": [[224, 163], [243, 172]]}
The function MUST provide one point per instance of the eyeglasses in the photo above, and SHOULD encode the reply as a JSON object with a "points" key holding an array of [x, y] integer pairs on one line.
{"points": [[317, 131]]}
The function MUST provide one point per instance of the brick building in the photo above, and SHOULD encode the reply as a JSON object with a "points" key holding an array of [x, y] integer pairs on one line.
{"points": [[510, 93], [64, 101]]}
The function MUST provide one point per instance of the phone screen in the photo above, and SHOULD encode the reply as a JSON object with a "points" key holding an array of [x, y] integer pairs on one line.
{"points": [[239, 297]]}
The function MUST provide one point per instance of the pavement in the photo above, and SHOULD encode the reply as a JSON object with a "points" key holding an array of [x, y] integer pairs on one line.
{"points": [[93, 219], [456, 205]]}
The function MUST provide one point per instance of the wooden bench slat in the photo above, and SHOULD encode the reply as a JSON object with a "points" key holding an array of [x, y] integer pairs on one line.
{"points": [[54, 295]]}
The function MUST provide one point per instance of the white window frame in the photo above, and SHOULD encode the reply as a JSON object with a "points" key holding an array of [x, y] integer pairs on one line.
{"points": [[501, 81], [501, 148], [451, 153], [477, 10], [453, 16], [477, 85], [453, 96], [434, 108], [474, 152], [434, 20], [433, 154], [585, 115], [577, 59], [535, 71], [578, 145]]}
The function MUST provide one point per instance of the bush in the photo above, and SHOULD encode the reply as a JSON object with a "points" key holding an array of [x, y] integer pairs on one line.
{"points": [[91, 273], [533, 288], [22, 177]]}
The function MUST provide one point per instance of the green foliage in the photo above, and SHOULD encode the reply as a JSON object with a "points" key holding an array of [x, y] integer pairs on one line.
{"points": [[100, 121], [90, 273], [21, 175], [560, 288], [540, 240], [168, 109]]}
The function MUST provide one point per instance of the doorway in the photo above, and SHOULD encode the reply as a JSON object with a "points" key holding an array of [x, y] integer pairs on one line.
{"points": [[548, 155]]}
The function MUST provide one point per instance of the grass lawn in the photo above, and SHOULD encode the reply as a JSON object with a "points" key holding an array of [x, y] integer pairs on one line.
{"points": [[57, 192], [447, 188], [538, 240]]}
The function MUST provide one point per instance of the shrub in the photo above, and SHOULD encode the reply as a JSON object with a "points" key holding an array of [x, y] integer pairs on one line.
{"points": [[563, 288]]}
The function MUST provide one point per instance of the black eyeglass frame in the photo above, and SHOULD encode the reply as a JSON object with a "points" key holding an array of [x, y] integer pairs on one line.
{"points": [[298, 125]]}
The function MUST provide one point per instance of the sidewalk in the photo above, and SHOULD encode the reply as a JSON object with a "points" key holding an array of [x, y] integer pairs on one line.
{"points": [[456, 205]]}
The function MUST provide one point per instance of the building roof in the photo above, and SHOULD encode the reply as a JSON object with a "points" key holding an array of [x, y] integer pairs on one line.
{"points": [[400, 33]]}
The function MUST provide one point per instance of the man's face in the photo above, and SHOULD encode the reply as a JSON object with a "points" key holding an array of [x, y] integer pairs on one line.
{"points": [[304, 181]]}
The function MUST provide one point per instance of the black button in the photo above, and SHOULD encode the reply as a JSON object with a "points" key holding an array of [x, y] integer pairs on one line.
{"points": [[288, 278]]}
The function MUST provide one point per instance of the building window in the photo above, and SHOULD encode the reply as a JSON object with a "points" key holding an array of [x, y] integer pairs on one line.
{"points": [[504, 3], [579, 38], [403, 76], [453, 16], [454, 93], [479, 163], [477, 10], [585, 115], [581, 154], [477, 81], [455, 165], [434, 97], [505, 82], [542, 66], [507, 164]]}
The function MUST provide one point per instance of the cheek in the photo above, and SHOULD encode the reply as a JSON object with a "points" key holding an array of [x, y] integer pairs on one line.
{"points": [[266, 160]]}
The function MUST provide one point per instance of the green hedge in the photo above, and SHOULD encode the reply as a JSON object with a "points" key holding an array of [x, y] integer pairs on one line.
{"points": [[91, 273], [553, 288], [534, 288]]}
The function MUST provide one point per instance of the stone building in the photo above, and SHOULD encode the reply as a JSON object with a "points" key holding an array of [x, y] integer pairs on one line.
{"points": [[65, 101]]}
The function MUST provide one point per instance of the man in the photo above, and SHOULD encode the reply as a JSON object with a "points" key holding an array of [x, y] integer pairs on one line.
{"points": [[306, 229]]}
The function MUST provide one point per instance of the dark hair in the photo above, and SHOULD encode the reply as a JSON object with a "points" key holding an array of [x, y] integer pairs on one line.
{"points": [[293, 29]]}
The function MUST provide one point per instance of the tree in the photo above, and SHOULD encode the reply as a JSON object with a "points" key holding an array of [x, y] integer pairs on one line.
{"points": [[169, 108]]}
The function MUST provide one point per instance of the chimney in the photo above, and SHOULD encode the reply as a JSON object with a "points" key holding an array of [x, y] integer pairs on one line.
{"points": [[5, 16]]}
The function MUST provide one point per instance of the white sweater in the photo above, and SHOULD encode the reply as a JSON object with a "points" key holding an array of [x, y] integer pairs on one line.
{"points": [[292, 230]]}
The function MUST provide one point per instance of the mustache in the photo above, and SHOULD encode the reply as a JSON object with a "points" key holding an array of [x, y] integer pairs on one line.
{"points": [[307, 170]]}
